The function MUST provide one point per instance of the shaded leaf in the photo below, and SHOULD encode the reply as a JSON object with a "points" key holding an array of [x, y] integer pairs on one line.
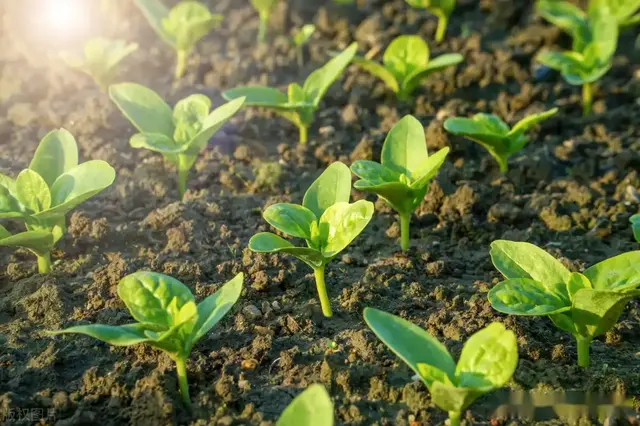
{"points": [[523, 296], [374, 173], [596, 311], [39, 242], [398, 195], [266, 242]]}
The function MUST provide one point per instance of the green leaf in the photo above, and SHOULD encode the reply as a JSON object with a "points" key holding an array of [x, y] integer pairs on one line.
{"points": [[413, 80], [295, 94], [4, 233], [410, 342], [213, 308], [331, 187], [292, 219], [622, 10], [635, 226], [604, 36], [596, 311], [453, 399], [378, 70], [430, 374], [488, 359], [304, 34], [78, 185], [318, 82], [615, 273], [429, 169], [154, 12], [143, 107], [39, 242], [373, 173], [9, 205], [568, 17], [405, 55], [188, 115], [341, 223], [125, 335], [485, 129], [523, 296], [56, 154], [313, 407], [576, 282], [154, 298], [32, 191], [266, 242], [259, 96], [398, 195], [405, 148], [188, 22], [530, 121], [156, 142]]}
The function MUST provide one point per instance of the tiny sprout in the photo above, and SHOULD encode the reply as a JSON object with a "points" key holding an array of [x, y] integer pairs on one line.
{"points": [[101, 59], [41, 196], [635, 226], [406, 63], [441, 8], [403, 176], [313, 407], [181, 27], [326, 220], [301, 102], [179, 134], [300, 38], [495, 135], [168, 317], [264, 9]]}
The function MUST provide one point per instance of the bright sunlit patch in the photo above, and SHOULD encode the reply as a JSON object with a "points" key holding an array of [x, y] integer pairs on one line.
{"points": [[63, 19]]}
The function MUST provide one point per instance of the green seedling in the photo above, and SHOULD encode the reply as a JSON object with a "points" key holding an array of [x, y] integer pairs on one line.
{"points": [[575, 22], [488, 360], [403, 177], [101, 59], [181, 27], [41, 196], [168, 317], [299, 104], [264, 9], [325, 220], [595, 37], [494, 135], [406, 63], [300, 38], [313, 407], [584, 304], [179, 134], [635, 226], [441, 8]]}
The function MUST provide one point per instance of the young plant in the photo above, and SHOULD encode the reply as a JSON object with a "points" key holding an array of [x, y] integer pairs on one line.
{"points": [[168, 317], [488, 359], [584, 304], [325, 220], [595, 37], [575, 21], [179, 134], [635, 226], [181, 27], [264, 9], [495, 135], [300, 103], [403, 177], [313, 407], [300, 38], [441, 8], [101, 59], [406, 63], [41, 196]]}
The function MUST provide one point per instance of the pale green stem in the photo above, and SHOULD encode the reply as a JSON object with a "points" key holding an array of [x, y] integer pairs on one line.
{"points": [[583, 351], [304, 136], [405, 220], [322, 292], [181, 369], [262, 29], [443, 20], [454, 418], [183, 176], [587, 98], [181, 64], [44, 263], [504, 165]]}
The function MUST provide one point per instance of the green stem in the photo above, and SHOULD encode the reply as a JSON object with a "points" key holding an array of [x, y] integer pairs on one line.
{"points": [[181, 369], [443, 20], [454, 418], [322, 292], [405, 220], [262, 29], [183, 176], [44, 263], [181, 64], [583, 351], [304, 133], [504, 165], [587, 98]]}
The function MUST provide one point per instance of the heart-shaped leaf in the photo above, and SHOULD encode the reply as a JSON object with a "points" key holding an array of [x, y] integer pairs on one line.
{"points": [[341, 223], [32, 191], [188, 22], [266, 242], [405, 147], [143, 107], [292, 219], [523, 296], [313, 407], [596, 311], [405, 55], [56, 154], [332, 186]]}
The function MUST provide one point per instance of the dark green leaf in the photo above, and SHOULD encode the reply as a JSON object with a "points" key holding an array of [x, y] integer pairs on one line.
{"points": [[398, 195], [523, 296], [292, 219], [331, 187], [56, 154]]}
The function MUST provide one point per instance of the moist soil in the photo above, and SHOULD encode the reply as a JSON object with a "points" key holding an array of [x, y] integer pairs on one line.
{"points": [[571, 191]]}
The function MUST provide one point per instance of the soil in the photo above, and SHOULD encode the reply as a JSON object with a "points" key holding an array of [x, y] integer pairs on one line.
{"points": [[570, 191]]}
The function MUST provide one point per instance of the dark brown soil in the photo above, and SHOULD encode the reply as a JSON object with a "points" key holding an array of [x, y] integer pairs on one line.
{"points": [[571, 191]]}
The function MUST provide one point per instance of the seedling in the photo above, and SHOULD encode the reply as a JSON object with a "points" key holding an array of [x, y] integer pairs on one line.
{"points": [[300, 103], [495, 135], [325, 220], [41, 196], [168, 317], [585, 304], [575, 22], [406, 63], [403, 177], [264, 9], [487, 362], [181, 27], [635, 226], [441, 8], [300, 38], [101, 59], [595, 38], [313, 407], [179, 134]]}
